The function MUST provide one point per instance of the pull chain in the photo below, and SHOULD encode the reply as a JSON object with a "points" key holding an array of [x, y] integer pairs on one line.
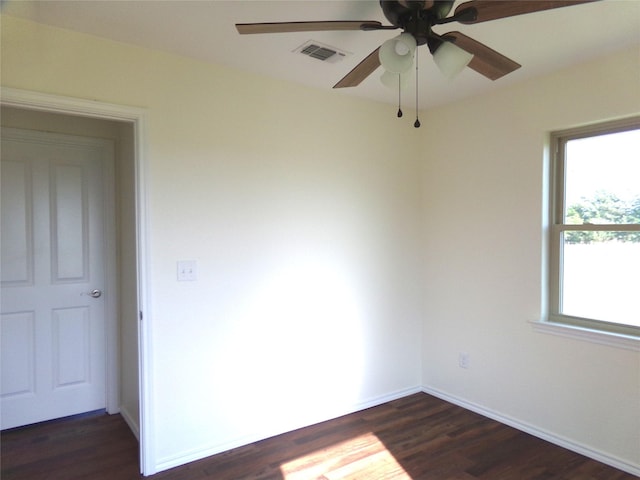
{"points": [[399, 89], [417, 122]]}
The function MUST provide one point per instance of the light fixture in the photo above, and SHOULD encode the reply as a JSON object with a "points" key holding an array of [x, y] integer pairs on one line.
{"points": [[390, 80], [396, 54], [451, 59]]}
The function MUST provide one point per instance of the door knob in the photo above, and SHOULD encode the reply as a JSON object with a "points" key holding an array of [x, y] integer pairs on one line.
{"points": [[95, 293]]}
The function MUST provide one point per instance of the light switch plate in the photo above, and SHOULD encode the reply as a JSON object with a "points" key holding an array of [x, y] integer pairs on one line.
{"points": [[187, 271]]}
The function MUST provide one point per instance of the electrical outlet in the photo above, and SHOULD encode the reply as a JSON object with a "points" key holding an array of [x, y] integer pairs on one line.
{"points": [[187, 271], [463, 360]]}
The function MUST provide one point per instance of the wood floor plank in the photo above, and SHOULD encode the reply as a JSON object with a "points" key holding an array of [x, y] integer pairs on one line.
{"points": [[418, 437]]}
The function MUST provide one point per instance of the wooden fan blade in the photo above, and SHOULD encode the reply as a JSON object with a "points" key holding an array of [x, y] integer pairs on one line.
{"points": [[365, 68], [286, 27], [494, 9], [485, 61]]}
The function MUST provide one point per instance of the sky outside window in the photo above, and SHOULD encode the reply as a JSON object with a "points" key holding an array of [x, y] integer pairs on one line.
{"points": [[606, 163]]}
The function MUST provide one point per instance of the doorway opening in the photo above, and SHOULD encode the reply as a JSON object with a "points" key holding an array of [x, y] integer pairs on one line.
{"points": [[123, 365]]}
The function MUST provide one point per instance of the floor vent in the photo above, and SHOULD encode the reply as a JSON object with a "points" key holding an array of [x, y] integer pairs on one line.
{"points": [[321, 52]]}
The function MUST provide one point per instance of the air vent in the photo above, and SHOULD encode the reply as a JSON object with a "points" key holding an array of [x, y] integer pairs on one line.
{"points": [[316, 51], [321, 52]]}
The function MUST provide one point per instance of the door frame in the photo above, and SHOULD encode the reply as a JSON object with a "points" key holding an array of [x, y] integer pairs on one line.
{"points": [[31, 100]]}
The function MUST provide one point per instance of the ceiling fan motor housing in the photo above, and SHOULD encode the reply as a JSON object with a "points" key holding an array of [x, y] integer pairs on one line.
{"points": [[416, 16]]}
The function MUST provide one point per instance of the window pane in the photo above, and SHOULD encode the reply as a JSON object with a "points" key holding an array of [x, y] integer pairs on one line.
{"points": [[601, 278], [602, 179]]}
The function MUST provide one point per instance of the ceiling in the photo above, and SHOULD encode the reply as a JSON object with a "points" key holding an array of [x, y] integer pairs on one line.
{"points": [[541, 42]]}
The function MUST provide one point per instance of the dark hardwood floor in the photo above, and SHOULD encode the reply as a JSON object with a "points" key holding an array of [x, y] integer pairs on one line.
{"points": [[416, 437]]}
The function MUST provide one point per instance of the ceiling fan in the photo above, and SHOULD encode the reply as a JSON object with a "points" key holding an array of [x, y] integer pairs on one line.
{"points": [[452, 51], [416, 18]]}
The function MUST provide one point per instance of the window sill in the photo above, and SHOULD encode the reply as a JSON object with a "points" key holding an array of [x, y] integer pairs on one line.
{"points": [[585, 334]]}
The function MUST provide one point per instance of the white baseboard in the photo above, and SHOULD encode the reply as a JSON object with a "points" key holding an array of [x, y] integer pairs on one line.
{"points": [[538, 432], [206, 451], [129, 419]]}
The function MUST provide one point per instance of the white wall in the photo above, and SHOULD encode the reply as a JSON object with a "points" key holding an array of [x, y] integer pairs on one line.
{"points": [[484, 178], [125, 173], [300, 208]]}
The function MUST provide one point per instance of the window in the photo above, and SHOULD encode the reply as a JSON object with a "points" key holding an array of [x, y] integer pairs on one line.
{"points": [[595, 228]]}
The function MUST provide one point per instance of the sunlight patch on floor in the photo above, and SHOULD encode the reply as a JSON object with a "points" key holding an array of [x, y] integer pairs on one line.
{"points": [[360, 457]]}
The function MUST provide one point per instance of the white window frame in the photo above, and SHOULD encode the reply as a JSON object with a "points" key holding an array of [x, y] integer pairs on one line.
{"points": [[558, 227]]}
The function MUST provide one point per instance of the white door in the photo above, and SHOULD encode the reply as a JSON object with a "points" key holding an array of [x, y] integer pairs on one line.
{"points": [[52, 321]]}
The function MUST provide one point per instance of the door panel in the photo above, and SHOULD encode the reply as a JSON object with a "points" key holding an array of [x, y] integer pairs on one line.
{"points": [[53, 331], [71, 353], [17, 245], [18, 347], [68, 222]]}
